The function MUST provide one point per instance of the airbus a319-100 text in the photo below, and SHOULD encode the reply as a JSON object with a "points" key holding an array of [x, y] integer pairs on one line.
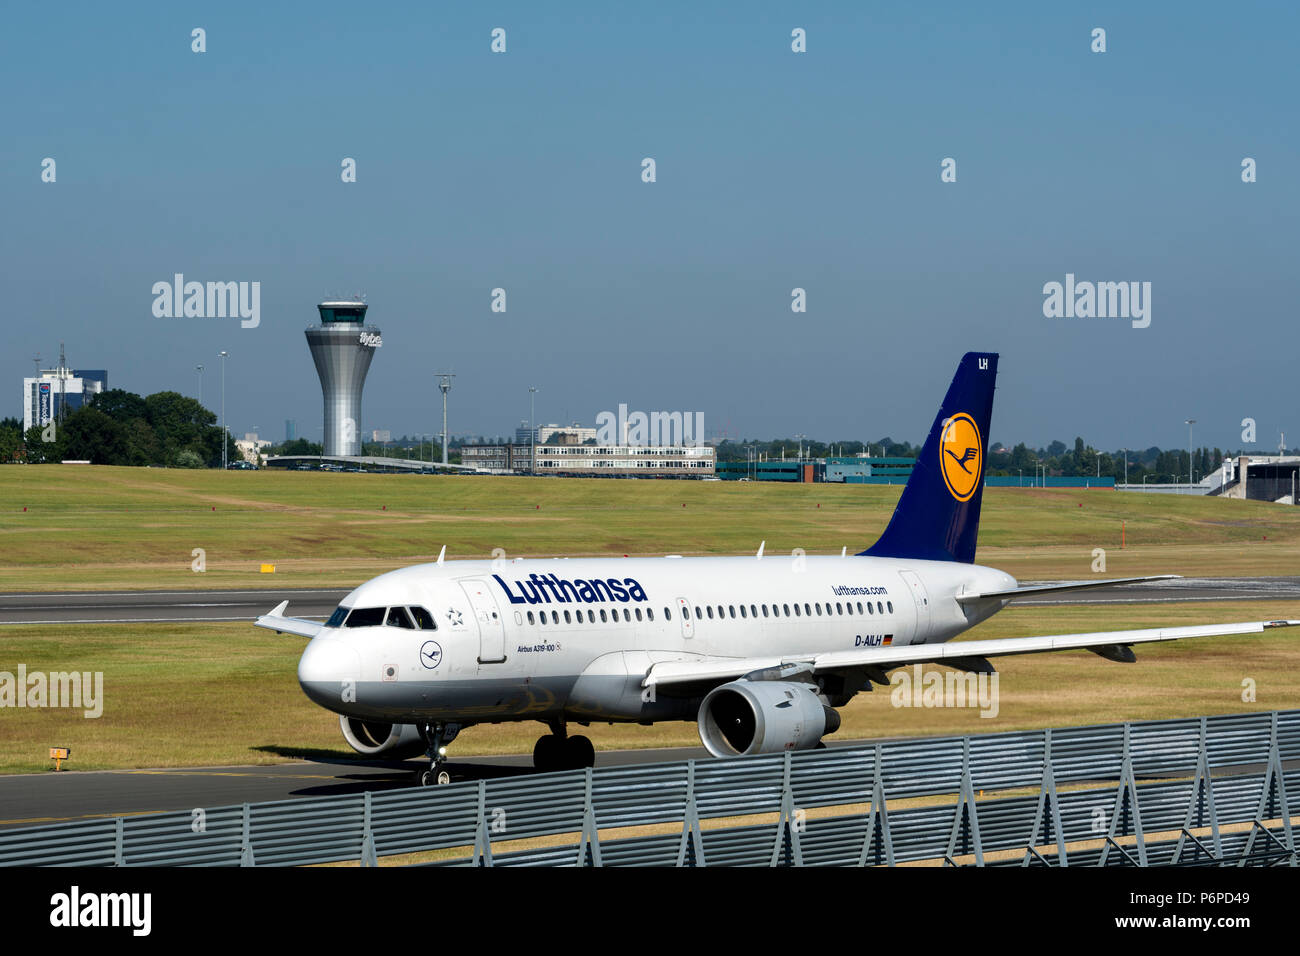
{"points": [[760, 651]]}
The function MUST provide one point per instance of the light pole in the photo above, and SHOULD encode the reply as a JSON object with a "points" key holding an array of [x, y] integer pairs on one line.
{"points": [[1190, 422], [225, 437], [532, 429], [199, 369], [1125, 451]]}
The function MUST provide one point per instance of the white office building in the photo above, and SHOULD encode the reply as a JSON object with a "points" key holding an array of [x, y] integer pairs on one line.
{"points": [[58, 391]]}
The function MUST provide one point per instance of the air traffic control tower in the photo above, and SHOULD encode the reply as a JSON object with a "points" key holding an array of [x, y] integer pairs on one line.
{"points": [[343, 346]]}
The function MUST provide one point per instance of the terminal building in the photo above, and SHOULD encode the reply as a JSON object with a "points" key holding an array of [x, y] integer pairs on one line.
{"points": [[498, 459], [637, 461], [1261, 478], [593, 461], [847, 470], [342, 347], [57, 391]]}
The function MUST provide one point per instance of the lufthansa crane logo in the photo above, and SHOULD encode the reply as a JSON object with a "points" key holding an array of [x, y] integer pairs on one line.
{"points": [[961, 456], [431, 654]]}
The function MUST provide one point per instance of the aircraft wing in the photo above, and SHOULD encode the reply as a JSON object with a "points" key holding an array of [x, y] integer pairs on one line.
{"points": [[960, 654], [276, 621], [1011, 593]]}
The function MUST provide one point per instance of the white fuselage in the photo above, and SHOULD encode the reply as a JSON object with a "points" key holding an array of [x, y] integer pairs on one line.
{"points": [[574, 638]]}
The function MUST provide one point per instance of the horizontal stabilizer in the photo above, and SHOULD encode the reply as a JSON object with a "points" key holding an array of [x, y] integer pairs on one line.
{"points": [[1012, 593]]}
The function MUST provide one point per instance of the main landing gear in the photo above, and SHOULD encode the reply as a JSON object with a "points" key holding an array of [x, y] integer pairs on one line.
{"points": [[437, 736], [558, 751]]}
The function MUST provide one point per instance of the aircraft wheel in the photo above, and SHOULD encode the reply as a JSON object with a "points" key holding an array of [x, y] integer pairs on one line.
{"points": [[548, 753], [579, 753]]}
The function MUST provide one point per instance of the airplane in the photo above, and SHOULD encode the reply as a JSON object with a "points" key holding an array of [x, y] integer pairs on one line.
{"points": [[759, 649]]}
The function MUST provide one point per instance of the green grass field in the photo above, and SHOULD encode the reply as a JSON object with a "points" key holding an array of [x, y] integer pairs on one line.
{"points": [[93, 528], [190, 694]]}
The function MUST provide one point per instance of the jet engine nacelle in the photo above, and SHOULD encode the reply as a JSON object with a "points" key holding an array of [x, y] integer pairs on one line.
{"points": [[764, 717], [376, 739]]}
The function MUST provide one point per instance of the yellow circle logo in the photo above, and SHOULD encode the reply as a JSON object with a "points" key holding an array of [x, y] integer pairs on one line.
{"points": [[961, 456]]}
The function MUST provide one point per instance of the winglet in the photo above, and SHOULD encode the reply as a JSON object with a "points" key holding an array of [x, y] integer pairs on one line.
{"points": [[761, 546], [279, 609], [442, 554]]}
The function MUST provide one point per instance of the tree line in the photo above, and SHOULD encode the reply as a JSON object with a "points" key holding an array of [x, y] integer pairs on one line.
{"points": [[1153, 465], [117, 427]]}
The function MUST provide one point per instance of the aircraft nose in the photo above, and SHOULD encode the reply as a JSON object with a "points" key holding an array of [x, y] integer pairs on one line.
{"points": [[326, 664]]}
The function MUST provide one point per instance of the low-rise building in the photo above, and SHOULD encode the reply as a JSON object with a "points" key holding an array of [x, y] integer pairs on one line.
{"points": [[640, 461]]}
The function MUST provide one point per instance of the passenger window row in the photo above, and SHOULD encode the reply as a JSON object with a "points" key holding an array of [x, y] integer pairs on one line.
{"points": [[577, 617], [839, 608]]}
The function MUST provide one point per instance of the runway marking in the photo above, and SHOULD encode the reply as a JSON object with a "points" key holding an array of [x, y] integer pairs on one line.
{"points": [[96, 607], [226, 773], [148, 620], [100, 594], [1155, 600], [83, 816]]}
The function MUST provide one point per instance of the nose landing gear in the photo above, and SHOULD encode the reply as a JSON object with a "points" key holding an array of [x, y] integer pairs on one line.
{"points": [[437, 735], [558, 751]]}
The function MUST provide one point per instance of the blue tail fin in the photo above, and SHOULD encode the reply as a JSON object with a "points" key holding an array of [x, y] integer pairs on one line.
{"points": [[938, 517]]}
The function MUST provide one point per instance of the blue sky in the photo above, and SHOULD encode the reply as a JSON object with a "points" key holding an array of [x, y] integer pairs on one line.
{"points": [[775, 170]]}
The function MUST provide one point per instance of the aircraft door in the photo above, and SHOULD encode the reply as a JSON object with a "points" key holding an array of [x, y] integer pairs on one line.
{"points": [[684, 611], [491, 629], [922, 601]]}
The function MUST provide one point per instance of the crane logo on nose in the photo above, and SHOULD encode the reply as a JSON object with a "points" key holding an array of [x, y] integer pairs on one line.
{"points": [[431, 654]]}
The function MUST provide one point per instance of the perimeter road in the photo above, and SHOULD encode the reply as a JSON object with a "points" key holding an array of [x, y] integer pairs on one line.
{"points": [[28, 800]]}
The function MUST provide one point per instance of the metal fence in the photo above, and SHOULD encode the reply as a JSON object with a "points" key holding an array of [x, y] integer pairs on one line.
{"points": [[1116, 794]]}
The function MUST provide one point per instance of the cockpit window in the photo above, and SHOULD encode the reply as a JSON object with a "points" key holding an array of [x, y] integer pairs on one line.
{"points": [[336, 619], [423, 619], [397, 618], [366, 617]]}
